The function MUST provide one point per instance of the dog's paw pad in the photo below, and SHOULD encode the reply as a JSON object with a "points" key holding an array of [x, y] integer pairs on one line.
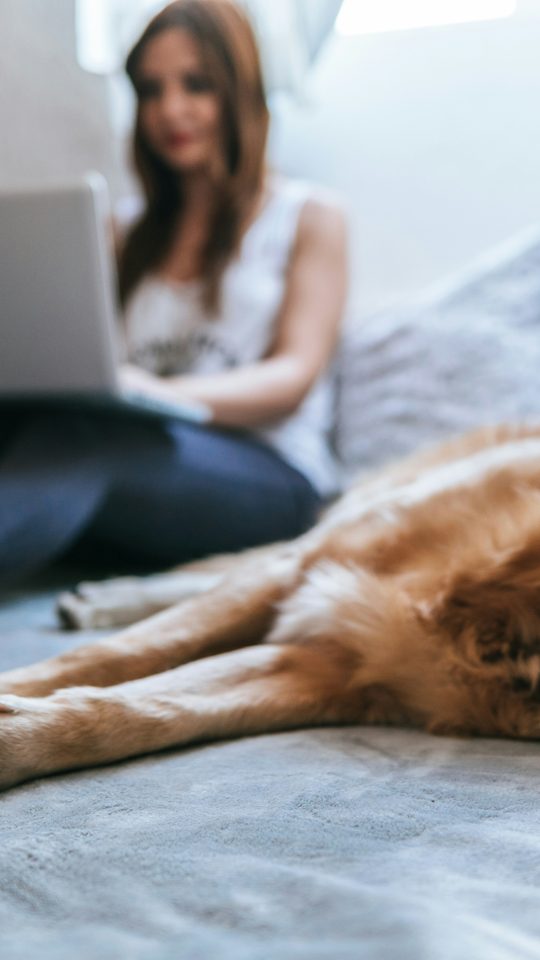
{"points": [[73, 611]]}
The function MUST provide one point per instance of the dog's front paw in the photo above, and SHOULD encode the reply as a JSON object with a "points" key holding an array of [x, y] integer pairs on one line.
{"points": [[19, 683], [94, 606], [75, 612], [19, 755]]}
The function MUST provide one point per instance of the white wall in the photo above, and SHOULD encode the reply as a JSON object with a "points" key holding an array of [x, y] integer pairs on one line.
{"points": [[53, 116], [434, 138], [433, 135]]}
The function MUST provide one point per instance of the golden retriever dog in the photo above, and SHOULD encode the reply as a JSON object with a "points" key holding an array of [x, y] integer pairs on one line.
{"points": [[415, 601]]}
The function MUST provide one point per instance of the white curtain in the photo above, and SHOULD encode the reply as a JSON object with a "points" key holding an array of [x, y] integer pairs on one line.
{"points": [[290, 33]]}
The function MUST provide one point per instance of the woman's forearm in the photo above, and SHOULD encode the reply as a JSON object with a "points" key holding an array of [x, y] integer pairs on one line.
{"points": [[247, 396], [244, 397]]}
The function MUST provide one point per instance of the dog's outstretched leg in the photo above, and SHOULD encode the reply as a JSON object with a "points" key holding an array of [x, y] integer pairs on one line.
{"points": [[124, 600], [237, 613], [264, 688]]}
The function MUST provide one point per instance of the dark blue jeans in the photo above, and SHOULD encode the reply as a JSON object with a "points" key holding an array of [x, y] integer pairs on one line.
{"points": [[158, 493]]}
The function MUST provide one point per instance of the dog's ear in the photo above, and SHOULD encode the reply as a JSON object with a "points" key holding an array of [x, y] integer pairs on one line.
{"points": [[493, 614]]}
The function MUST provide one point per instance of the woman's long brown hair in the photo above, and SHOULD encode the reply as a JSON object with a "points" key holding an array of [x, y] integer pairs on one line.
{"points": [[230, 54]]}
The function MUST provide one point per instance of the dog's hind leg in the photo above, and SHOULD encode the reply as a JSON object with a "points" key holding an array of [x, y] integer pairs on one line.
{"points": [[125, 600], [265, 688], [236, 613]]}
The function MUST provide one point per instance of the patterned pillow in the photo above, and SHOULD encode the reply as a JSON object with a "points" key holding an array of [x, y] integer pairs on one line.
{"points": [[465, 356]]}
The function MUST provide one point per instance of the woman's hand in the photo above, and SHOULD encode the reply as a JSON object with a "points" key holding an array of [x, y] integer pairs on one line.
{"points": [[136, 380]]}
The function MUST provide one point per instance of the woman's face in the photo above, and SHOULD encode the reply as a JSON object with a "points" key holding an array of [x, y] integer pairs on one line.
{"points": [[180, 111]]}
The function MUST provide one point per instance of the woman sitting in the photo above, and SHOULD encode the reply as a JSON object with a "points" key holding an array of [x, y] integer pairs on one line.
{"points": [[233, 284]]}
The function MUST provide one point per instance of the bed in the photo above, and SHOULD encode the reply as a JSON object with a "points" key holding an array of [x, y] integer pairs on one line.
{"points": [[325, 843]]}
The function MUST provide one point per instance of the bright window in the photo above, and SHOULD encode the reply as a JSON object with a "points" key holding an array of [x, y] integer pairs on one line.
{"points": [[106, 29], [377, 16]]}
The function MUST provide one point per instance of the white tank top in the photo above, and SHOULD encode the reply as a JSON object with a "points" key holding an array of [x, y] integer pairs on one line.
{"points": [[169, 332]]}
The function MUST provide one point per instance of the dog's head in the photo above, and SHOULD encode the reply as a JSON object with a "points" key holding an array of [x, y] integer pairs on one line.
{"points": [[489, 622]]}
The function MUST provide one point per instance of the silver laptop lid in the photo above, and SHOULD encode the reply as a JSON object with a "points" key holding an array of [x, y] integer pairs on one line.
{"points": [[57, 301]]}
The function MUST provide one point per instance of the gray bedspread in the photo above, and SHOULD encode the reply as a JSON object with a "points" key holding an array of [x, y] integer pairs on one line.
{"points": [[340, 844]]}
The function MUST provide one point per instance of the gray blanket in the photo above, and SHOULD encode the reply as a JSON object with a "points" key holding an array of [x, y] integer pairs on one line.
{"points": [[331, 843], [340, 844]]}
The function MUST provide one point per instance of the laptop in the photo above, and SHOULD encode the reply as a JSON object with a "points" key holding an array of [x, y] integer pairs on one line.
{"points": [[60, 333]]}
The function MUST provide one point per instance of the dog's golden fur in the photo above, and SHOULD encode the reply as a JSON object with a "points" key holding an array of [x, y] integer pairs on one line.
{"points": [[415, 601]]}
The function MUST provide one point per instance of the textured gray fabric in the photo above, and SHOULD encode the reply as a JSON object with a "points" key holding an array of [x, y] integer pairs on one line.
{"points": [[465, 355], [338, 844]]}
